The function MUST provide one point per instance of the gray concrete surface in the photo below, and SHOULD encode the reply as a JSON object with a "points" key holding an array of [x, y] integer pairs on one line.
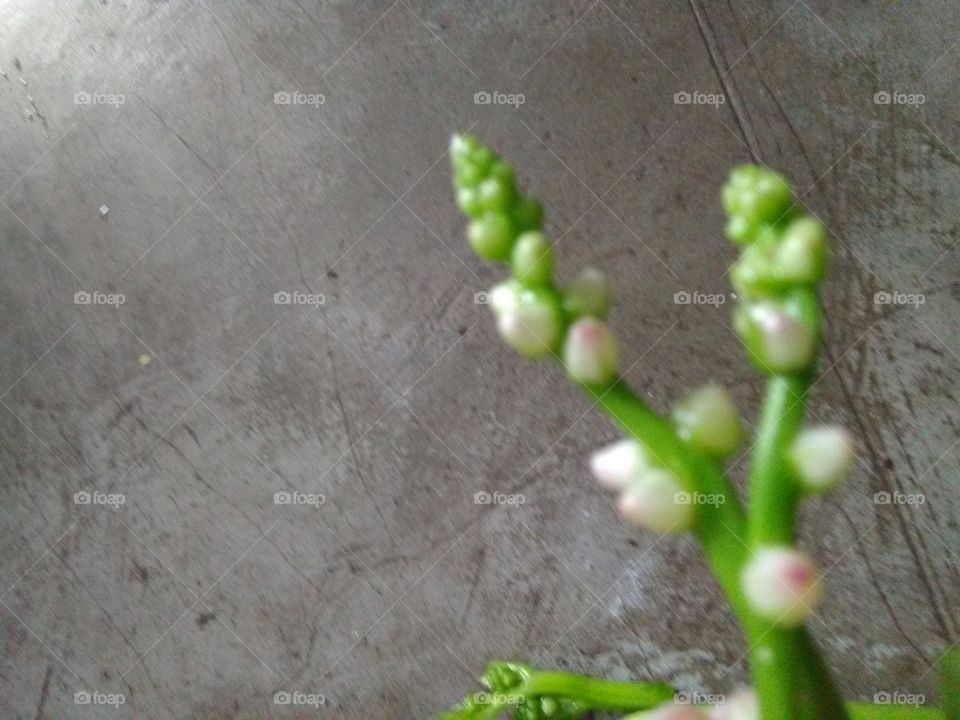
{"points": [[199, 398]]}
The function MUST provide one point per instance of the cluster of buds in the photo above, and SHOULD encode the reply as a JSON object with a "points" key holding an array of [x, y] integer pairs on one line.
{"points": [[650, 496], [783, 261], [534, 316]]}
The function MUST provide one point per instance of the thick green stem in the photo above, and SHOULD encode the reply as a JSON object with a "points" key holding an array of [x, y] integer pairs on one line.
{"points": [[792, 681], [599, 694]]}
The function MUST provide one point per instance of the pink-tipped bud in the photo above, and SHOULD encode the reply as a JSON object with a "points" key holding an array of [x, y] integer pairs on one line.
{"points": [[656, 501], [781, 584], [618, 465], [532, 328], [741, 705], [787, 343], [821, 457], [590, 352]]}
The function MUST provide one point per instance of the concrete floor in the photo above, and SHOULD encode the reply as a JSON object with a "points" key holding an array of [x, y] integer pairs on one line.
{"points": [[198, 398]]}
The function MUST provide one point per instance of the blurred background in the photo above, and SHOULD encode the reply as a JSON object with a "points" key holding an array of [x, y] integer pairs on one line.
{"points": [[253, 418]]}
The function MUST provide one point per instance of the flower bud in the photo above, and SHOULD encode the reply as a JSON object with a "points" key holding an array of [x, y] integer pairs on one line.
{"points": [[618, 465], [504, 297], [494, 195], [532, 259], [491, 236], [587, 295], [780, 337], [656, 501], [781, 584], [527, 214], [741, 705], [708, 419], [801, 256], [821, 457], [533, 327], [590, 352], [469, 202]]}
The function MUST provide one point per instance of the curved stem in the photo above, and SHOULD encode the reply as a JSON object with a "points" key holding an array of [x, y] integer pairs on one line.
{"points": [[719, 527], [598, 694]]}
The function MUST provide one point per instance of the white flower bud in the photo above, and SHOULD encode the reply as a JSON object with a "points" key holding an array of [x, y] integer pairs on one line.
{"points": [[787, 344], [504, 297], [590, 352], [741, 705], [620, 464], [656, 501], [588, 294], [781, 584], [709, 419], [821, 457], [532, 328]]}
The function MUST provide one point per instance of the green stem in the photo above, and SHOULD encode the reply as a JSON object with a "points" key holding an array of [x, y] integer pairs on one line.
{"points": [[720, 527], [863, 711], [598, 694], [868, 711], [791, 678]]}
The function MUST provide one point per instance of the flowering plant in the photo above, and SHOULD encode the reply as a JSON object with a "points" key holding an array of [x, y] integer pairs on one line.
{"points": [[664, 462]]}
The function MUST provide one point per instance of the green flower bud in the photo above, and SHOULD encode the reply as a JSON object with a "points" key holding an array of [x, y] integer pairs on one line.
{"points": [[588, 294], [494, 195], [527, 214], [461, 147], [469, 202], [534, 327], [503, 172], [532, 259], [467, 176], [802, 254], [756, 194], [780, 335], [775, 262], [491, 236], [708, 419]]}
